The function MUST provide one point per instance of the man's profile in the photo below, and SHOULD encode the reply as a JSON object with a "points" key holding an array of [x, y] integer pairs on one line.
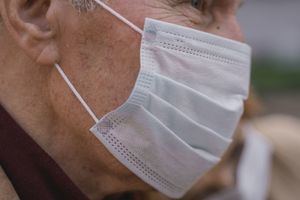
{"points": [[100, 57]]}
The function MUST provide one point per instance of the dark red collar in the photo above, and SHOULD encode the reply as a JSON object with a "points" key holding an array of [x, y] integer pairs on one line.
{"points": [[33, 173]]}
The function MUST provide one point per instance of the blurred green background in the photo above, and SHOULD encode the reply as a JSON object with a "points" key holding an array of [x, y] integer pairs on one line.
{"points": [[277, 83], [272, 76]]}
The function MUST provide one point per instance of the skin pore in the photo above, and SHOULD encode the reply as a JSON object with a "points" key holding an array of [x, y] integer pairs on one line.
{"points": [[100, 55]]}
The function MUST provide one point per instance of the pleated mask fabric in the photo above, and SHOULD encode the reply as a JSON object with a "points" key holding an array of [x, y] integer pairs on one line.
{"points": [[184, 108]]}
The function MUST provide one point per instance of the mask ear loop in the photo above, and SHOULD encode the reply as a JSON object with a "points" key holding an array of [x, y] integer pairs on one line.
{"points": [[120, 17], [69, 83], [76, 93]]}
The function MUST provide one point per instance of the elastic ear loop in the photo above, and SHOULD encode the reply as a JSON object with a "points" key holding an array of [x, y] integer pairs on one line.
{"points": [[76, 93], [62, 73], [120, 17]]}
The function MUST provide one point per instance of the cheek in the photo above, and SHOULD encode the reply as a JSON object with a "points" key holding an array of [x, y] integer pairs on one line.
{"points": [[68, 109], [227, 27], [90, 151], [100, 55], [76, 43]]}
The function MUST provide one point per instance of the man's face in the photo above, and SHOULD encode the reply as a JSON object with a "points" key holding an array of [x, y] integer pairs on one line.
{"points": [[100, 54]]}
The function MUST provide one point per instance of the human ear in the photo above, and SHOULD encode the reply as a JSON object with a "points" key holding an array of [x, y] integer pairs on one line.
{"points": [[30, 23]]}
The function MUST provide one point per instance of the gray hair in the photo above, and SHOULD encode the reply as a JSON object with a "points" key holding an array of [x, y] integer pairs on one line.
{"points": [[83, 5]]}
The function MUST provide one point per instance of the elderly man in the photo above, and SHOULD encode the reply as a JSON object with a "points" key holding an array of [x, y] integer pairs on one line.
{"points": [[63, 61]]}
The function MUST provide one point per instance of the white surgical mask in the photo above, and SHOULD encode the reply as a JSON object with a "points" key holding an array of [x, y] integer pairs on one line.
{"points": [[184, 108]]}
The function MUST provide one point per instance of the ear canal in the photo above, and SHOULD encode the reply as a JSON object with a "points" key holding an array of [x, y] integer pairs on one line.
{"points": [[34, 12]]}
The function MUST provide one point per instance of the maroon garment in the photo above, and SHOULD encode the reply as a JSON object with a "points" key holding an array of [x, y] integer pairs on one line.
{"points": [[33, 173]]}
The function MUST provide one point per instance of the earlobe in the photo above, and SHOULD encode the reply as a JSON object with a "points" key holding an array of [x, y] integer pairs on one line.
{"points": [[28, 23], [49, 55]]}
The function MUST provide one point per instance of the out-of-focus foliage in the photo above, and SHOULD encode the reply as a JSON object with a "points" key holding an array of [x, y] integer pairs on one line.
{"points": [[270, 75]]}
